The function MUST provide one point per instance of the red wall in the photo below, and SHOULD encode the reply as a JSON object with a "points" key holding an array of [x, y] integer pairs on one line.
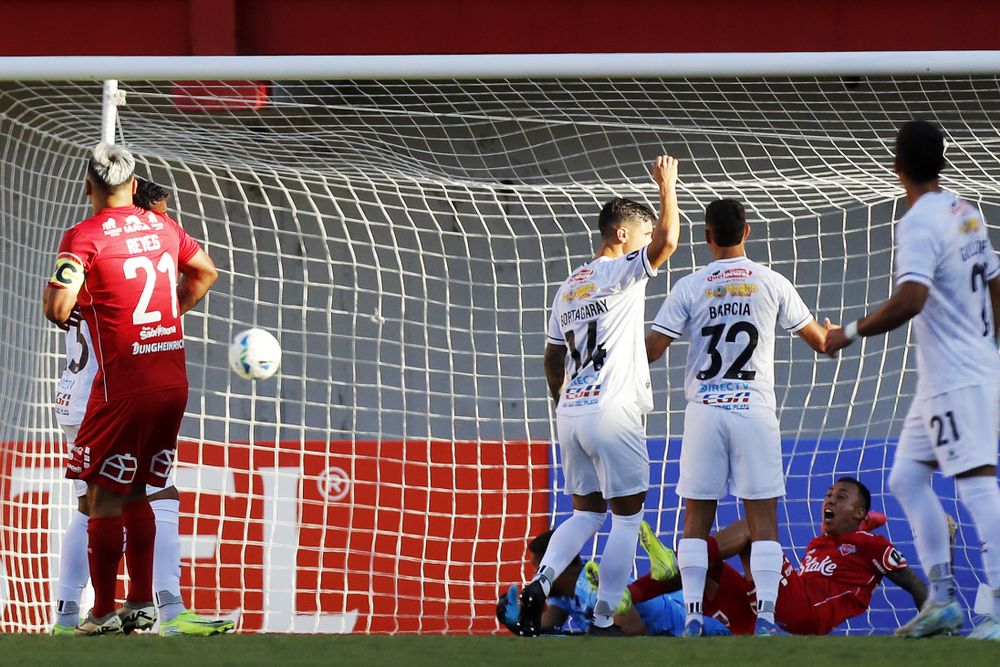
{"points": [[219, 27]]}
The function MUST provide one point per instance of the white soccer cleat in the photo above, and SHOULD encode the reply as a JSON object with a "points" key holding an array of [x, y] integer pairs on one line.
{"points": [[934, 619], [987, 630], [109, 625], [137, 617]]}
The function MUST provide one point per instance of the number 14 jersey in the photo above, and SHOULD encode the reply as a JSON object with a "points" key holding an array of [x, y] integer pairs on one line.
{"points": [[122, 264], [730, 309], [599, 315]]}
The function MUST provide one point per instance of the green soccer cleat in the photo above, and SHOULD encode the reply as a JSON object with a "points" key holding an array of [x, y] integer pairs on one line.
{"points": [[662, 560], [593, 575], [63, 630], [190, 624]]}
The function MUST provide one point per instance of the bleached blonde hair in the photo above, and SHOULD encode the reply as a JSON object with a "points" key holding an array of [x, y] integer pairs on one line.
{"points": [[111, 165]]}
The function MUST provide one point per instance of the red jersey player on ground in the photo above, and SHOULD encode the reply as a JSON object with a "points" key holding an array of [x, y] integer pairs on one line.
{"points": [[121, 267], [840, 570]]}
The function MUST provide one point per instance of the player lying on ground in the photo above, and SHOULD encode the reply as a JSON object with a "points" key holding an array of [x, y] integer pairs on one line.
{"points": [[839, 571], [597, 374], [731, 441], [74, 572], [573, 597], [948, 283], [133, 273]]}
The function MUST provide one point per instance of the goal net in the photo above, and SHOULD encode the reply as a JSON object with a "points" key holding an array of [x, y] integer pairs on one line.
{"points": [[403, 240]]}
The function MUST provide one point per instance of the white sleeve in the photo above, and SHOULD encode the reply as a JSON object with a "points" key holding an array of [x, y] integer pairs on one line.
{"points": [[672, 318], [553, 334], [630, 269], [916, 255], [793, 314]]}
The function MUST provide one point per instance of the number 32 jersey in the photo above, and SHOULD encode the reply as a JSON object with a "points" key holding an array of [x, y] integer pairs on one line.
{"points": [[599, 315], [122, 264], [730, 309]]}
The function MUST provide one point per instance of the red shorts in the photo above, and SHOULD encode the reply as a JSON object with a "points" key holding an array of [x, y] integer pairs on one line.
{"points": [[733, 602], [128, 441], [793, 611]]}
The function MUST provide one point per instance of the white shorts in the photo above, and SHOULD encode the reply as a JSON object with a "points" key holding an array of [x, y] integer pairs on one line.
{"points": [[604, 451], [958, 429], [738, 450], [80, 486]]}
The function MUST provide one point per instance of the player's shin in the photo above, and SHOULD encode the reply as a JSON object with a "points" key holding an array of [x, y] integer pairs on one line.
{"points": [[692, 557], [105, 540], [910, 482], [565, 545], [74, 570], [981, 498], [141, 529], [616, 565], [765, 566], [167, 559]]}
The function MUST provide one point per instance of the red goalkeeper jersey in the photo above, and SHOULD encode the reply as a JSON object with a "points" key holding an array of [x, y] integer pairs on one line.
{"points": [[123, 265], [840, 572]]}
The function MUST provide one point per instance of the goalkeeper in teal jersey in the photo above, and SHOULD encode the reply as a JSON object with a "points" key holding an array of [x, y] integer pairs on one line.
{"points": [[574, 594]]}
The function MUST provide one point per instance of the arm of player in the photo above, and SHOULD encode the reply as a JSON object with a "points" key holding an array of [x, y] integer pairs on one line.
{"points": [[630, 622], [57, 304], [198, 274], [911, 583], [814, 335], [656, 345], [905, 304], [555, 369], [994, 286], [667, 231]]}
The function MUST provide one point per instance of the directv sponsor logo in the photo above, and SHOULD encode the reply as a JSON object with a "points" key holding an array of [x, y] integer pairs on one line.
{"points": [[165, 346]]}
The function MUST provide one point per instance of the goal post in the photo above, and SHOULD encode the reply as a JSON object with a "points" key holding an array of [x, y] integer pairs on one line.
{"points": [[401, 224]]}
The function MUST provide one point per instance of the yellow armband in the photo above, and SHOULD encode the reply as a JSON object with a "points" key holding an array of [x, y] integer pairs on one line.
{"points": [[68, 274]]}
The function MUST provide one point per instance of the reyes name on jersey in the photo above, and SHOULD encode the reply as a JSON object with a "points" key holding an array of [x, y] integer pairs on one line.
{"points": [[942, 242], [730, 309], [599, 315]]}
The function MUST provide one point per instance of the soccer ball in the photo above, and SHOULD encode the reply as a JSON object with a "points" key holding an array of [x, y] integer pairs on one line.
{"points": [[254, 354]]}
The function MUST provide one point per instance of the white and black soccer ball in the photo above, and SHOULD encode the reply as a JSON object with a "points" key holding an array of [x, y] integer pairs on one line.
{"points": [[255, 354]]}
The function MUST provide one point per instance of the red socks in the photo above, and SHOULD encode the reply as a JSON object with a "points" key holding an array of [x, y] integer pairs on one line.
{"points": [[140, 526], [104, 551]]}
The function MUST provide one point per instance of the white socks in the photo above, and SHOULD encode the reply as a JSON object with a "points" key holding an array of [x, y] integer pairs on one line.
{"points": [[74, 571], [167, 559], [981, 498], [910, 482], [692, 557], [616, 565], [765, 566], [565, 545]]}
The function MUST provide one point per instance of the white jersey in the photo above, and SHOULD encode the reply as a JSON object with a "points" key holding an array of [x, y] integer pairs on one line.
{"points": [[599, 315], [730, 308], [942, 243], [77, 379]]}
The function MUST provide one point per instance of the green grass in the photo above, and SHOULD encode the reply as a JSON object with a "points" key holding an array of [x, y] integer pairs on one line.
{"points": [[410, 651]]}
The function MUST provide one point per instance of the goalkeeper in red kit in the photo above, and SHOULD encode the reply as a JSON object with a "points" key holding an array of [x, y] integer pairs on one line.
{"points": [[840, 570], [132, 273]]}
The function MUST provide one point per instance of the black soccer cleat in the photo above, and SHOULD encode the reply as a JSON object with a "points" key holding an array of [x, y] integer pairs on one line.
{"points": [[610, 631], [529, 618]]}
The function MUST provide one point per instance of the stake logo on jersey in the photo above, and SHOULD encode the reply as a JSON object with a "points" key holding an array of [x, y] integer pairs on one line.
{"points": [[856, 562], [122, 264], [943, 244], [730, 309], [598, 315]]}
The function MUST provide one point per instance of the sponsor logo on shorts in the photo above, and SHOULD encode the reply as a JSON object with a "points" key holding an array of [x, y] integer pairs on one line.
{"points": [[165, 346], [728, 395], [162, 463], [584, 390], [120, 468]]}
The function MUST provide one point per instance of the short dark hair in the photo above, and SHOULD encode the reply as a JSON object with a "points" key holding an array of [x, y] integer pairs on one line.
{"points": [[148, 194], [727, 219], [619, 211], [920, 150], [540, 544], [866, 495]]}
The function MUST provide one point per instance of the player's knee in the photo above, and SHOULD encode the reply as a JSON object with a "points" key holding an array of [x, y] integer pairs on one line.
{"points": [[907, 475]]}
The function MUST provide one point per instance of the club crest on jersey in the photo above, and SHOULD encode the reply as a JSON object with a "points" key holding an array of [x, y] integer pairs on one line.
{"points": [[730, 274], [847, 549]]}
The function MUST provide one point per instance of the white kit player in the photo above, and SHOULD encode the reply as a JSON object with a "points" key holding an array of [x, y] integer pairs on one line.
{"points": [[597, 372], [70, 407], [731, 438], [948, 283]]}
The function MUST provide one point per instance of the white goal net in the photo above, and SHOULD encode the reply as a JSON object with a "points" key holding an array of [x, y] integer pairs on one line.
{"points": [[403, 240]]}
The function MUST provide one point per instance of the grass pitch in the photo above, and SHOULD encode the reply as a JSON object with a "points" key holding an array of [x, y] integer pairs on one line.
{"points": [[462, 651]]}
